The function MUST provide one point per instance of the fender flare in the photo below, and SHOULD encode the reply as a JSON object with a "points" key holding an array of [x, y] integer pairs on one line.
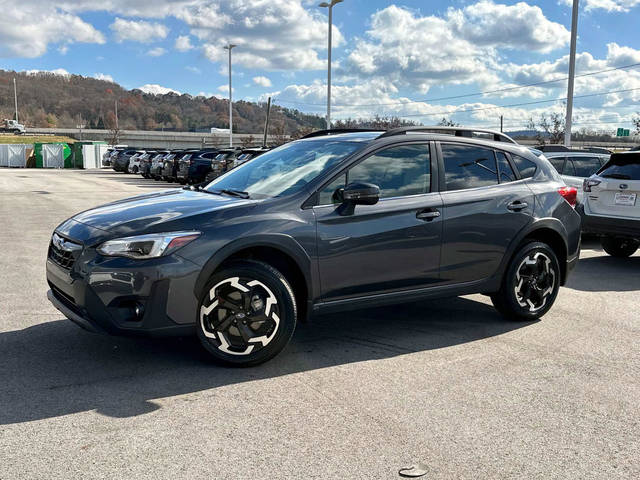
{"points": [[544, 223], [284, 243]]}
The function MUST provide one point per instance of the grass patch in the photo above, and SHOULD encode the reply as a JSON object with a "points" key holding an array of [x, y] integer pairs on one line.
{"points": [[34, 139]]}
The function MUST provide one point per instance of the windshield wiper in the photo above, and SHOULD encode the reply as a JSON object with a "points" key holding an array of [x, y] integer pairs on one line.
{"points": [[232, 193]]}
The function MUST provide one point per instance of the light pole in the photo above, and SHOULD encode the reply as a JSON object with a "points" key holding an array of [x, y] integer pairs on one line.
{"points": [[15, 97], [572, 74], [230, 47], [330, 7]]}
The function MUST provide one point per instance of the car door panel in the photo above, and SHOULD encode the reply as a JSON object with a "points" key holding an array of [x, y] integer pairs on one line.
{"points": [[382, 247]]}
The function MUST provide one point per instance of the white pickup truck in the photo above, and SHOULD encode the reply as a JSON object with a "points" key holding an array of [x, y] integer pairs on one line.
{"points": [[11, 126]]}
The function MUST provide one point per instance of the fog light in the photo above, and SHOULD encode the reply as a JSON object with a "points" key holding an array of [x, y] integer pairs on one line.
{"points": [[139, 311]]}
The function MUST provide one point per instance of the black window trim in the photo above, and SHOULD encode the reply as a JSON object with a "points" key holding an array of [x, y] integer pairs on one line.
{"points": [[314, 199]]}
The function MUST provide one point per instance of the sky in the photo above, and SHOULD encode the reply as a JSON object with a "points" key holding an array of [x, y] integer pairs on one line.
{"points": [[417, 59]]}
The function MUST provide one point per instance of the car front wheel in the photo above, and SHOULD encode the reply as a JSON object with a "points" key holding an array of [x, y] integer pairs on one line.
{"points": [[246, 314], [619, 247], [530, 285]]}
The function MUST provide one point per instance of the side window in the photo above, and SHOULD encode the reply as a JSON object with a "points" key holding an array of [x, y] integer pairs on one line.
{"points": [[585, 166], [468, 167], [526, 167], [504, 167], [558, 163], [398, 171]]}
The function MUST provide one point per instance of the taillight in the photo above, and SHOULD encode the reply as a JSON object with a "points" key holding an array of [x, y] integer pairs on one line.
{"points": [[570, 194], [588, 183]]}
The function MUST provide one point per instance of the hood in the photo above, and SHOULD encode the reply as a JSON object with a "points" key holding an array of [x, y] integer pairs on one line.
{"points": [[148, 213]]}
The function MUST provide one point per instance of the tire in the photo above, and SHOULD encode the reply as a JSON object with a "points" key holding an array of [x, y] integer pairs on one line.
{"points": [[619, 247], [268, 298], [530, 285], [135, 170]]}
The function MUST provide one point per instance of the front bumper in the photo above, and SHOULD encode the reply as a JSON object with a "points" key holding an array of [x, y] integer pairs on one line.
{"points": [[101, 294], [608, 226]]}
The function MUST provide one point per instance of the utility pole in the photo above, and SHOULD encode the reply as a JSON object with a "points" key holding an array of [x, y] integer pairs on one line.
{"points": [[117, 128], [330, 7], [501, 123], [266, 123], [572, 73], [15, 97], [230, 47]]}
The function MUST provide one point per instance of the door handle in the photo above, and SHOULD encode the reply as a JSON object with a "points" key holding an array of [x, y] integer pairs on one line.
{"points": [[428, 215], [517, 206]]}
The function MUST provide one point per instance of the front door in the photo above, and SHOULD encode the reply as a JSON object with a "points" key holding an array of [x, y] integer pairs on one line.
{"points": [[391, 246]]}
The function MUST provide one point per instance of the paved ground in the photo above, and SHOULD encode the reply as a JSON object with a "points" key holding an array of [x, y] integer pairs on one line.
{"points": [[360, 395]]}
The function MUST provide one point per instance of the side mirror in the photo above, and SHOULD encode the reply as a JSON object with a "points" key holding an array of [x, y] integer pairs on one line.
{"points": [[361, 194], [356, 194]]}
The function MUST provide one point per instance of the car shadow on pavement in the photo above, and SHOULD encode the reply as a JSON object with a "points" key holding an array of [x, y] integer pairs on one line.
{"points": [[56, 369], [606, 274]]}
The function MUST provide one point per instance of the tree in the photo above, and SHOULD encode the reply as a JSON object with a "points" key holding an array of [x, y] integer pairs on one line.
{"points": [[445, 122], [636, 123], [114, 129], [548, 128]]}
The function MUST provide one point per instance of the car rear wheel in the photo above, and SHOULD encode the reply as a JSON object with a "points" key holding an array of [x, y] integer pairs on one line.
{"points": [[530, 285], [246, 314], [619, 247]]}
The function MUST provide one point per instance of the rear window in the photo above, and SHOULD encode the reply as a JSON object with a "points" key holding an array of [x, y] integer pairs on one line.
{"points": [[623, 166]]}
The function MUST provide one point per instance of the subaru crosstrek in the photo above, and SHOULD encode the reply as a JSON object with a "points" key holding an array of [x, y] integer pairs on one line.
{"points": [[334, 221]]}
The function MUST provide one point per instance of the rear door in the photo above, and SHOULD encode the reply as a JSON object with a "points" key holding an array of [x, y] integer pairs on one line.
{"points": [[485, 205], [617, 194]]}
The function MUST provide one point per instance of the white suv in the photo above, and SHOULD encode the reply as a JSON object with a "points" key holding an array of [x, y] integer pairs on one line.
{"points": [[574, 167], [611, 208]]}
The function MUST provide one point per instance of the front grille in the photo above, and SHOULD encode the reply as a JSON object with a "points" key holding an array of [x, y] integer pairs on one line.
{"points": [[63, 253]]}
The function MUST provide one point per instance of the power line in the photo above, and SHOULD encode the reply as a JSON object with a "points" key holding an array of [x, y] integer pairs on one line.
{"points": [[450, 112], [454, 97]]}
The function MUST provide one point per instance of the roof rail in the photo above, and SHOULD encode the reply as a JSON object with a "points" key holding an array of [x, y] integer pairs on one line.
{"points": [[336, 131], [457, 131]]}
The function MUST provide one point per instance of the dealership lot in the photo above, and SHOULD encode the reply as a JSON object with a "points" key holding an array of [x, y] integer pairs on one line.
{"points": [[362, 394]]}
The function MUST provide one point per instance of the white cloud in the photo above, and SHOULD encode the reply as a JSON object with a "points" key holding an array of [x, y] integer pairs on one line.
{"points": [[155, 89], [102, 76], [26, 29], [138, 31], [608, 5], [225, 89], [183, 43], [274, 35], [262, 81], [58, 71], [192, 69], [520, 26], [156, 52]]}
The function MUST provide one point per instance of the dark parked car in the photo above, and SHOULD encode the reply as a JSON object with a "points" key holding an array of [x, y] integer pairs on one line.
{"points": [[157, 164], [170, 168], [195, 167], [333, 221], [120, 161], [223, 162], [146, 160]]}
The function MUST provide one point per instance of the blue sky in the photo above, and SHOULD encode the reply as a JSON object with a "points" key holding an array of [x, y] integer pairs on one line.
{"points": [[390, 58]]}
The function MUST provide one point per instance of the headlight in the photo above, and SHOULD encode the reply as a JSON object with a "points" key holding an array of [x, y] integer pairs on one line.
{"points": [[147, 246]]}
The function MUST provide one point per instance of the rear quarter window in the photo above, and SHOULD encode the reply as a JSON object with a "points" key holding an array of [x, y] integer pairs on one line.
{"points": [[526, 167]]}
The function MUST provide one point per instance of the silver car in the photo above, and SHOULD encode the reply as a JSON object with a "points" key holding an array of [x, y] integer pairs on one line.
{"points": [[574, 167]]}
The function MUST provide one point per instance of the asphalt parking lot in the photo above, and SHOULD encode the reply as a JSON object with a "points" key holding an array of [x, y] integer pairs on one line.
{"points": [[447, 383]]}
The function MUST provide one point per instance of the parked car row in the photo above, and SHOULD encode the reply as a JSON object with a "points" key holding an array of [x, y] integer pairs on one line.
{"points": [[185, 166]]}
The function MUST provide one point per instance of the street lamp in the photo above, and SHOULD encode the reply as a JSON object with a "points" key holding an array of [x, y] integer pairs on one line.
{"points": [[230, 47], [330, 7], [572, 73]]}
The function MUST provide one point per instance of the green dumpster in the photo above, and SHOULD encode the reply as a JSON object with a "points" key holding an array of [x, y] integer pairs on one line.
{"points": [[37, 152]]}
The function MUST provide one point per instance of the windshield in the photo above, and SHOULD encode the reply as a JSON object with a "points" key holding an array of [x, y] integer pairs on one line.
{"points": [[286, 169]]}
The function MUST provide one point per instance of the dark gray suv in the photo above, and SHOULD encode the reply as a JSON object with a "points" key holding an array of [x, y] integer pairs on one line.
{"points": [[337, 220]]}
